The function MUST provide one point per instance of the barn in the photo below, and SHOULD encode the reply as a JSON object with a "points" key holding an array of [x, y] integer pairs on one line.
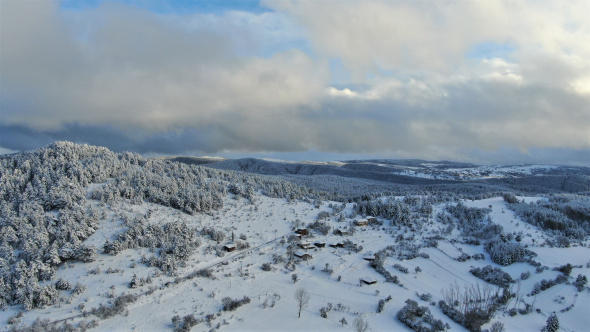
{"points": [[302, 255], [302, 231], [229, 247]]}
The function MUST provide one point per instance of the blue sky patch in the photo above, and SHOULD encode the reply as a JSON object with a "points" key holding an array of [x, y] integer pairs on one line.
{"points": [[175, 6], [490, 50]]}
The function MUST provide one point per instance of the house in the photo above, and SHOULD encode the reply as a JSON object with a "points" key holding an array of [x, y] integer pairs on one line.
{"points": [[305, 245], [337, 245], [369, 257], [368, 280], [229, 247], [362, 222], [342, 232], [371, 219], [302, 231], [302, 255], [320, 244]]}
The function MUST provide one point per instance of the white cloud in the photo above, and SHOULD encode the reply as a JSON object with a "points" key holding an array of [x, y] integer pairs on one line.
{"points": [[239, 81]]}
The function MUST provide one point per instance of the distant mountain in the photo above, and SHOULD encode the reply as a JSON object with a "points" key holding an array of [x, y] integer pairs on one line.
{"points": [[414, 172]]}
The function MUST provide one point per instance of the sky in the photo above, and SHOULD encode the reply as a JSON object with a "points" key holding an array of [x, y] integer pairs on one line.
{"points": [[500, 82]]}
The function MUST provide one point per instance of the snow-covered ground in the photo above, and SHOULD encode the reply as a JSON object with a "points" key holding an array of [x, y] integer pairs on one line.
{"points": [[273, 306], [431, 171]]}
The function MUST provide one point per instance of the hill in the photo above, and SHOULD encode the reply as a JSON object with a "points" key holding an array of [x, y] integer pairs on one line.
{"points": [[97, 240]]}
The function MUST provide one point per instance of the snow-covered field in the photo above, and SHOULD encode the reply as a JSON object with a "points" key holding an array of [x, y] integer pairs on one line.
{"points": [[431, 171], [331, 277]]}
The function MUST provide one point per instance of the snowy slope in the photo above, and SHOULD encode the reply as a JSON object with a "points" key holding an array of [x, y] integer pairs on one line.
{"points": [[272, 305]]}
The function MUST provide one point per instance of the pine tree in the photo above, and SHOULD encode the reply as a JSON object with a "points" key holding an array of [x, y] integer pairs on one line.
{"points": [[552, 324], [134, 282]]}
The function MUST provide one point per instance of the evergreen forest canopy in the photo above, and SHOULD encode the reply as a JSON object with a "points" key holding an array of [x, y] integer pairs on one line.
{"points": [[44, 217]]}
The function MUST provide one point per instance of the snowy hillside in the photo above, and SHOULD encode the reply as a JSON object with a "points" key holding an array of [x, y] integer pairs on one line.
{"points": [[415, 175], [115, 242]]}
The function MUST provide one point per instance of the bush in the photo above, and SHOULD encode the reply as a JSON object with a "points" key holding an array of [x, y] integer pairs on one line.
{"points": [[427, 297], [78, 289], [118, 307], [565, 269], [546, 284], [62, 284], [401, 268], [419, 318], [510, 198], [230, 304], [382, 303], [320, 227], [327, 269], [266, 267], [493, 275], [505, 253], [205, 273], [580, 282], [185, 324], [324, 311]]}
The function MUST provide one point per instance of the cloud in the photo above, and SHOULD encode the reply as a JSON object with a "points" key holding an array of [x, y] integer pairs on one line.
{"points": [[244, 82], [135, 68]]}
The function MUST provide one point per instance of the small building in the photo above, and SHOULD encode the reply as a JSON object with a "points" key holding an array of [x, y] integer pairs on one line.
{"points": [[362, 222], [342, 232], [229, 247], [302, 231], [320, 244], [369, 257], [371, 220], [368, 281], [302, 255], [305, 245], [337, 245]]}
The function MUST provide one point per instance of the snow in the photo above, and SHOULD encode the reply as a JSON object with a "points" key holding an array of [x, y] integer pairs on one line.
{"points": [[239, 273], [433, 171]]}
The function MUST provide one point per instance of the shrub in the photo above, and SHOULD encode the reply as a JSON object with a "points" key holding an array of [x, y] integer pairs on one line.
{"points": [[230, 304], [401, 268], [493, 275], [186, 323], [546, 284], [328, 270], [565, 269], [424, 297], [78, 289], [505, 253], [419, 318], [510, 198], [324, 310], [580, 282], [320, 227], [62, 284], [205, 273], [118, 307], [266, 267], [382, 303]]}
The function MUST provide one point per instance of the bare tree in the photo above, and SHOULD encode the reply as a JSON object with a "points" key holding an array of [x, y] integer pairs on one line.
{"points": [[302, 297], [359, 324]]}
